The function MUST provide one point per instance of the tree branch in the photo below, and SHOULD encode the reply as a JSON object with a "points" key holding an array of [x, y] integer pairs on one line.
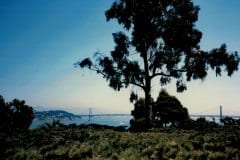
{"points": [[133, 83], [123, 82], [160, 74], [167, 75]]}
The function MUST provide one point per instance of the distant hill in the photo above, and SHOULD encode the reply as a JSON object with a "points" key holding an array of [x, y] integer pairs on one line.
{"points": [[55, 115]]}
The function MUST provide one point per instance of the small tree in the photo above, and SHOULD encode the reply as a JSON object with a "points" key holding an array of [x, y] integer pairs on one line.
{"points": [[160, 41], [168, 109], [5, 115], [15, 115], [22, 114]]}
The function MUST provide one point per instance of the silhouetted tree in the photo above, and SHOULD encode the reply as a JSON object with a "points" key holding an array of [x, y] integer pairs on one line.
{"points": [[167, 109], [160, 41], [15, 115], [22, 114], [5, 115]]}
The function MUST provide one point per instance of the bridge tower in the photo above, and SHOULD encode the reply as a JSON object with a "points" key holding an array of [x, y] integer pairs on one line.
{"points": [[89, 115], [221, 114]]}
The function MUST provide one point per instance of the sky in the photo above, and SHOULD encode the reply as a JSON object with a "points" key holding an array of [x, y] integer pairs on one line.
{"points": [[41, 40]]}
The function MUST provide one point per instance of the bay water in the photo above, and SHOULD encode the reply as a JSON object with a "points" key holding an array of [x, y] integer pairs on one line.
{"points": [[110, 120]]}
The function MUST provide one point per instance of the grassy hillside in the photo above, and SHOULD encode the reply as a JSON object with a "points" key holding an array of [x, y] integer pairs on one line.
{"points": [[95, 142]]}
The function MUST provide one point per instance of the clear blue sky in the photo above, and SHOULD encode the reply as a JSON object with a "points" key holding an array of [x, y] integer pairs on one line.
{"points": [[40, 41]]}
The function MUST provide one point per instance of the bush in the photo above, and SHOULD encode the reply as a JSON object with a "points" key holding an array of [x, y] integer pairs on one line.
{"points": [[166, 110], [15, 115]]}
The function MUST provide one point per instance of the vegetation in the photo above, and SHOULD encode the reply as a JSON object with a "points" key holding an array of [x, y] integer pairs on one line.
{"points": [[57, 141], [198, 139], [15, 115], [160, 41], [229, 121], [166, 110]]}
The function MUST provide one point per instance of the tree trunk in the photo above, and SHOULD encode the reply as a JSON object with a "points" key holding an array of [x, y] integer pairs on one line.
{"points": [[148, 104], [147, 89]]}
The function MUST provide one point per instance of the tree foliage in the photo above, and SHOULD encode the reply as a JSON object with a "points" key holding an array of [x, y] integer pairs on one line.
{"points": [[160, 39], [167, 109], [140, 115], [15, 115]]}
